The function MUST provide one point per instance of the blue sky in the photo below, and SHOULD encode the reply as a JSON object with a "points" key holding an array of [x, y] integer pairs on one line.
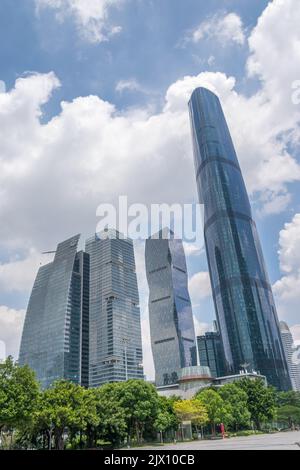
{"points": [[143, 57]]}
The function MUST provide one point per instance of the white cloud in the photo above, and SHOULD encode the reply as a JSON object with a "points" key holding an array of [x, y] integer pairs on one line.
{"points": [[11, 324], [287, 288], [295, 330], [199, 287], [192, 249], [225, 28], [19, 274], [289, 242], [275, 203], [130, 85], [2, 86], [91, 16], [201, 327]]}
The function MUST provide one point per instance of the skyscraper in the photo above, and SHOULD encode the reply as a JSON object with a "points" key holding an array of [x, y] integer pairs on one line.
{"points": [[242, 294], [170, 312], [292, 354], [115, 324], [211, 353], [55, 334]]}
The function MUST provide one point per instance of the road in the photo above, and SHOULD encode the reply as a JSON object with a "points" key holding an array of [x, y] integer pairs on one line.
{"points": [[278, 441]]}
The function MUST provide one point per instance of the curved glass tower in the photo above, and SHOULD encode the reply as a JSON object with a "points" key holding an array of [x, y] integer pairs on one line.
{"points": [[242, 293], [170, 312], [55, 333]]}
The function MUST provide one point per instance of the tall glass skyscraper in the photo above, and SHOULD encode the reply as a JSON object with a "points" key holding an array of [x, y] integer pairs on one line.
{"points": [[292, 354], [171, 320], [115, 324], [211, 353], [55, 334], [242, 294]]}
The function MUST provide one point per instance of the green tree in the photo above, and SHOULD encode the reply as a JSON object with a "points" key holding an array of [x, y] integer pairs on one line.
{"points": [[291, 398], [191, 410], [65, 407], [289, 415], [140, 402], [217, 409], [18, 396], [236, 400], [261, 400], [111, 424], [166, 419]]}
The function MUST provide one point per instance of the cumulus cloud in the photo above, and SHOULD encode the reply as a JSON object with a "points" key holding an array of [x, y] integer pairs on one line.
{"points": [[226, 28], [201, 327], [199, 287], [287, 288], [192, 249], [17, 275], [11, 324], [91, 16], [2, 86], [295, 330]]}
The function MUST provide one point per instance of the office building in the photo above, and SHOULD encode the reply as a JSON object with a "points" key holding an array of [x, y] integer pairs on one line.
{"points": [[55, 333], [115, 323], [211, 354], [170, 313], [292, 354], [242, 294]]}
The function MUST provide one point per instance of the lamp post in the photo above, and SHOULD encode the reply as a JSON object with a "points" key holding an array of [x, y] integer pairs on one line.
{"points": [[125, 342]]}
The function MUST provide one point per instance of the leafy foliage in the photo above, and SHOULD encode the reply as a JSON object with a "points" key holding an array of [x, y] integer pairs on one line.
{"points": [[261, 400]]}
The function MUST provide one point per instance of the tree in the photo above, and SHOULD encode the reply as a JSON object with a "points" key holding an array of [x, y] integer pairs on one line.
{"points": [[217, 409], [236, 399], [18, 394], [291, 398], [111, 424], [140, 402], [191, 410], [65, 407], [289, 415], [261, 400], [166, 419]]}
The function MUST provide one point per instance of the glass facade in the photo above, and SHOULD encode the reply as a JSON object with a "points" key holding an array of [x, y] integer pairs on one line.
{"points": [[115, 324], [170, 312], [53, 341], [292, 352], [211, 354], [245, 309]]}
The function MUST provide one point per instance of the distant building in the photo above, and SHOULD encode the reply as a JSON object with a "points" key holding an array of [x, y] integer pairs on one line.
{"points": [[190, 381], [241, 289], [211, 354], [115, 323], [292, 355], [193, 379], [55, 333], [228, 379], [171, 320]]}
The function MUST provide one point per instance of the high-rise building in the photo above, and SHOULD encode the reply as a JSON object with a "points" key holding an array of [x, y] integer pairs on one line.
{"points": [[244, 304], [170, 312], [211, 354], [115, 323], [292, 354], [55, 334]]}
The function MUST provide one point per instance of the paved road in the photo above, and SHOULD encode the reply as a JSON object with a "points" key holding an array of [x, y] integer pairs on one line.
{"points": [[278, 441]]}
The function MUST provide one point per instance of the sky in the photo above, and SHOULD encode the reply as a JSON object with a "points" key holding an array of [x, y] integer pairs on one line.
{"points": [[93, 105]]}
